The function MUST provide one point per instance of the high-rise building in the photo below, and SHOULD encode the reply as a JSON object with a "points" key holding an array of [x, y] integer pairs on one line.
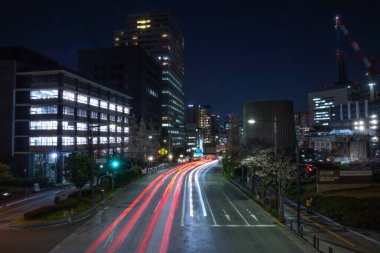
{"points": [[270, 123], [130, 70], [161, 36]]}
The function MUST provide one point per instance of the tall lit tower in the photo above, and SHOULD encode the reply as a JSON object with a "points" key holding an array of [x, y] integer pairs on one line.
{"points": [[162, 38]]}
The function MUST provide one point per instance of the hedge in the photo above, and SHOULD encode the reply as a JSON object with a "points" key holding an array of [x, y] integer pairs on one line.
{"points": [[44, 211], [361, 213]]}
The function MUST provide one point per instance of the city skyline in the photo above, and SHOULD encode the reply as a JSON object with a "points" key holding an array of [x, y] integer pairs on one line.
{"points": [[275, 41]]}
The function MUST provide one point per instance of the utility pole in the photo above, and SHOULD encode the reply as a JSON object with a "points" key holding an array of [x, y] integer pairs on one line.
{"points": [[298, 190]]}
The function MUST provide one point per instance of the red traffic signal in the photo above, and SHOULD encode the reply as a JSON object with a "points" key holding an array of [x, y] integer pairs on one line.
{"points": [[309, 168]]}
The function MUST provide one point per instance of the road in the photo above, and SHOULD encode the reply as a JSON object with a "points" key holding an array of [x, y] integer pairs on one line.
{"points": [[190, 208], [15, 209]]}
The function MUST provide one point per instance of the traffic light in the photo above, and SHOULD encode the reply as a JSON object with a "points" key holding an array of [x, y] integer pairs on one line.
{"points": [[309, 168], [115, 164]]}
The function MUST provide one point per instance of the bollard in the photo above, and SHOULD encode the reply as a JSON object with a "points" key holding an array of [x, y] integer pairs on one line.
{"points": [[314, 241], [330, 250], [317, 243]]}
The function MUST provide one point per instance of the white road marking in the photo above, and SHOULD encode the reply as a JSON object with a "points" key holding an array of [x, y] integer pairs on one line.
{"points": [[228, 199], [200, 193], [258, 225], [252, 215], [226, 215]]}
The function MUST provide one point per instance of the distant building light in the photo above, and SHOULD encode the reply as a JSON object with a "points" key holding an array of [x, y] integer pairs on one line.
{"points": [[251, 121]]}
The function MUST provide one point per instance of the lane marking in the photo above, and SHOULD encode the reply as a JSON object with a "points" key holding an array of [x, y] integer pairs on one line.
{"points": [[200, 193], [226, 215], [228, 199], [249, 226], [252, 215]]}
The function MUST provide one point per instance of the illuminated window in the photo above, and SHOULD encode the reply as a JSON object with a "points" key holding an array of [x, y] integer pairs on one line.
{"points": [[126, 129], [143, 21], [44, 109], [94, 102], [68, 125], [119, 129], [43, 141], [112, 128], [103, 128], [81, 126], [112, 139], [112, 117], [112, 107], [94, 115], [67, 140], [81, 140], [117, 39], [119, 108], [44, 94], [119, 119], [119, 139], [135, 37], [82, 99], [94, 140], [68, 110], [81, 113], [43, 125], [126, 110], [67, 95], [103, 116], [164, 35], [104, 104], [103, 140]]}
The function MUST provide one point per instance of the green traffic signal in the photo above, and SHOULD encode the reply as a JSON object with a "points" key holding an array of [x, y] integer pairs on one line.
{"points": [[115, 164]]}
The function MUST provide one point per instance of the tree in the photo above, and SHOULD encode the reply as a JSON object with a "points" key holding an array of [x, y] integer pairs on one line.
{"points": [[286, 173], [261, 170], [5, 171], [78, 169], [271, 170]]}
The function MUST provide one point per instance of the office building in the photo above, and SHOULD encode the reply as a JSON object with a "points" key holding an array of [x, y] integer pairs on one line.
{"points": [[161, 36], [130, 70], [270, 123], [55, 112]]}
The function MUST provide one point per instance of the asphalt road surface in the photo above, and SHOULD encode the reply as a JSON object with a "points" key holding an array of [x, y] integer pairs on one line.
{"points": [[15, 209], [190, 208]]}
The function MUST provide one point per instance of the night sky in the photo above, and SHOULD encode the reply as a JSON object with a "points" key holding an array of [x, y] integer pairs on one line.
{"points": [[234, 50]]}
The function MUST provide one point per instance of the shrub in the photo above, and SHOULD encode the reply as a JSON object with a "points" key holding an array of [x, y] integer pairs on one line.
{"points": [[350, 211], [44, 211]]}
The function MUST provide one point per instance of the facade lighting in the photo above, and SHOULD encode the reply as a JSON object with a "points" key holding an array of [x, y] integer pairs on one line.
{"points": [[251, 121]]}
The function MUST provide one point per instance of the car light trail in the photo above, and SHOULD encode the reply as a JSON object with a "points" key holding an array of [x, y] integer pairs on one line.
{"points": [[110, 228]]}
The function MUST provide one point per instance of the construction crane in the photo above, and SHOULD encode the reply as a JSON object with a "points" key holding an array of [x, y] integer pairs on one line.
{"points": [[370, 65]]}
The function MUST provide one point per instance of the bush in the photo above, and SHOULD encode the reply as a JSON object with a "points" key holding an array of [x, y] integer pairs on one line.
{"points": [[137, 170], [362, 213], [44, 211]]}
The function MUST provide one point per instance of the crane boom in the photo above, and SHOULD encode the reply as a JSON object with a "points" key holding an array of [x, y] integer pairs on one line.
{"points": [[354, 44]]}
